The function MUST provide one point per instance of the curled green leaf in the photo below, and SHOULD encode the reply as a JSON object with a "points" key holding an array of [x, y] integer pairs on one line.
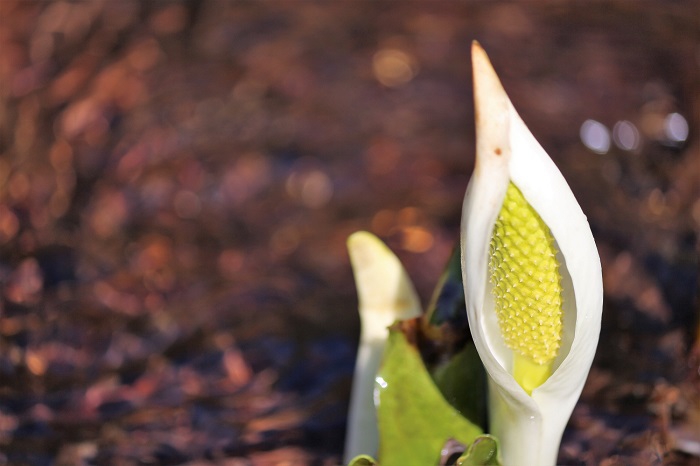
{"points": [[482, 452], [414, 418], [363, 460]]}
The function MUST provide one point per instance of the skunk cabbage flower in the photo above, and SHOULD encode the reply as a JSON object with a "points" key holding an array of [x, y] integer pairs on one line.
{"points": [[385, 294], [532, 279]]}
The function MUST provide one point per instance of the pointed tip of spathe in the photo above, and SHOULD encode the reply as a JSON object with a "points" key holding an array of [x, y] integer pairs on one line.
{"points": [[481, 63], [487, 87], [491, 112], [477, 48]]}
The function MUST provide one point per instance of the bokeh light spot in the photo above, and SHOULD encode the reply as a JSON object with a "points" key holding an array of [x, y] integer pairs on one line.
{"points": [[676, 127], [383, 221], [316, 189], [312, 188], [393, 67], [9, 224], [595, 136], [626, 135], [417, 239]]}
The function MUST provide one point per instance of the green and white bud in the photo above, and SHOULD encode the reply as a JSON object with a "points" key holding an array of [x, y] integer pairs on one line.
{"points": [[532, 279]]}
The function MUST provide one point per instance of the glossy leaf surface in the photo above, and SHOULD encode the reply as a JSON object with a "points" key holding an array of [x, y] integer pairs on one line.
{"points": [[454, 363], [414, 418], [462, 381], [363, 460], [483, 452]]}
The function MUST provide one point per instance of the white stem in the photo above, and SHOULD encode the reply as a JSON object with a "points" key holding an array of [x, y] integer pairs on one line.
{"points": [[385, 295], [363, 433]]}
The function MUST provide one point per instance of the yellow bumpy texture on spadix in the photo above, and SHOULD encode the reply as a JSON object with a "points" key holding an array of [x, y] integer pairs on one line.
{"points": [[527, 289]]}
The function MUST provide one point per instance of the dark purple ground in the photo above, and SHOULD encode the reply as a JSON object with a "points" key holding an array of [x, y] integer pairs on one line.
{"points": [[177, 181]]}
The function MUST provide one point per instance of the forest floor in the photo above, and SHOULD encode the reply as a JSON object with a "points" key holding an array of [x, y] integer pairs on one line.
{"points": [[178, 180]]}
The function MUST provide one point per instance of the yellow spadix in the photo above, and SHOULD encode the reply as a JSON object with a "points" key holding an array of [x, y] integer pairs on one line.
{"points": [[527, 288]]}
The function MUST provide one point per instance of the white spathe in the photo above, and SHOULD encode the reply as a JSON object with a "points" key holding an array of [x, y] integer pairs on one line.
{"points": [[528, 427], [385, 294]]}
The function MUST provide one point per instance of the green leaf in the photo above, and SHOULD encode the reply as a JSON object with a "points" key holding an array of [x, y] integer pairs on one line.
{"points": [[447, 305], [462, 381], [448, 349], [414, 418], [363, 460], [483, 452]]}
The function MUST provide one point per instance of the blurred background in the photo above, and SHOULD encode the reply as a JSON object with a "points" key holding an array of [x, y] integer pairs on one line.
{"points": [[178, 179]]}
